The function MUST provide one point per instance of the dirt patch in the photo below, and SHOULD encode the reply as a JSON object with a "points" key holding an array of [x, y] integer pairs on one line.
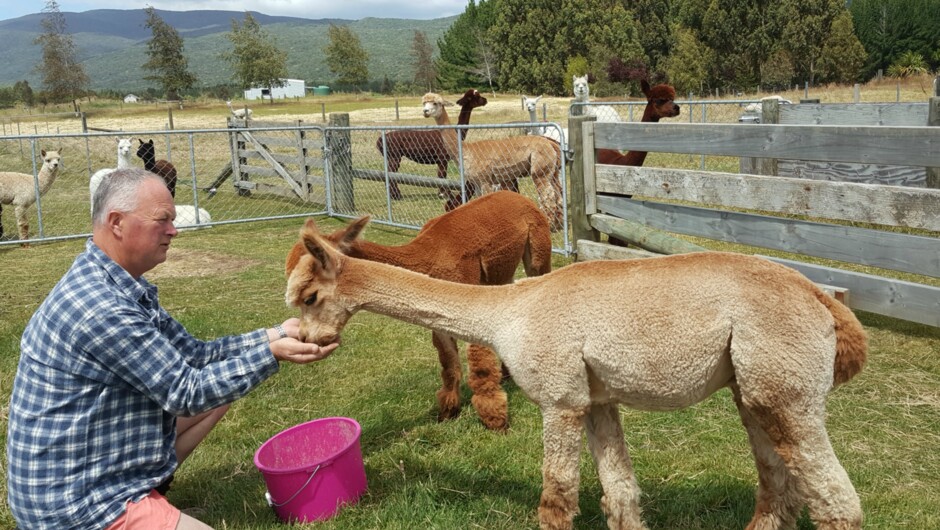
{"points": [[182, 263]]}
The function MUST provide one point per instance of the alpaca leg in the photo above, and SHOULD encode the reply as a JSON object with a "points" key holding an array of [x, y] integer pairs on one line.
{"points": [[448, 397], [22, 221], [621, 500], [561, 441], [549, 202], [778, 503], [796, 429], [394, 162], [442, 174], [485, 376]]}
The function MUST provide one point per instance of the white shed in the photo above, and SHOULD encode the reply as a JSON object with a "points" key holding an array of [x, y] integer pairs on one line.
{"points": [[130, 98], [293, 88]]}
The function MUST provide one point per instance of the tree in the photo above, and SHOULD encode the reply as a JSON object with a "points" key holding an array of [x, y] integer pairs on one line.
{"points": [[255, 57], [843, 55], [63, 76], [346, 57], [465, 54], [422, 52], [22, 92], [807, 24], [687, 65], [166, 60]]}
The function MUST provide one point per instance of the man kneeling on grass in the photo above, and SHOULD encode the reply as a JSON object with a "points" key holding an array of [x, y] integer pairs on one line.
{"points": [[111, 393]]}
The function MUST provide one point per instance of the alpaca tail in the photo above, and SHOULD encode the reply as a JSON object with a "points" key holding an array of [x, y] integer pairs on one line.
{"points": [[851, 340]]}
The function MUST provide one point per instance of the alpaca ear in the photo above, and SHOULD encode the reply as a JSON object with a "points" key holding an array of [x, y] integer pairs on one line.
{"points": [[351, 233], [293, 257], [141, 141], [645, 87], [42, 152], [313, 241]]}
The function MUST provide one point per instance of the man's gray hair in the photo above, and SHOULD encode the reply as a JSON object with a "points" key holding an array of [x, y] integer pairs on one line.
{"points": [[118, 191]]}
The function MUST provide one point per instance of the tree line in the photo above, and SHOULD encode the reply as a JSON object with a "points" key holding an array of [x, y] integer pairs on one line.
{"points": [[536, 46]]}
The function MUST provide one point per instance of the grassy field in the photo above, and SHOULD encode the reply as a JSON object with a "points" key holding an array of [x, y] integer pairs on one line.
{"points": [[694, 466]]}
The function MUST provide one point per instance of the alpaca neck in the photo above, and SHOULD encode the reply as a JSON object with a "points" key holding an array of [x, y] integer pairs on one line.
{"points": [[124, 161], [46, 178], [404, 256], [468, 312], [448, 135], [464, 119], [636, 158], [150, 163]]}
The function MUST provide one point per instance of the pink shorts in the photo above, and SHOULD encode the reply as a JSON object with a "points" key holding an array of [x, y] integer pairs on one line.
{"points": [[153, 512]]}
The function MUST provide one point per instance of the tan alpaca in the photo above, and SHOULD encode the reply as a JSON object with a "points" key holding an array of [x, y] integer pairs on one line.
{"points": [[19, 189], [480, 243], [578, 346], [490, 165]]}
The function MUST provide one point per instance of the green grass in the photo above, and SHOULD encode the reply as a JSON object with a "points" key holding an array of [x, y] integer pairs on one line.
{"points": [[694, 466]]}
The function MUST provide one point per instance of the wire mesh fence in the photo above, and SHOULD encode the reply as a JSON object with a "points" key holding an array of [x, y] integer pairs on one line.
{"points": [[275, 170]]}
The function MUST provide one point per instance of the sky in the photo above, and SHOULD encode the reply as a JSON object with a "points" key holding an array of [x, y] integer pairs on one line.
{"points": [[348, 9]]}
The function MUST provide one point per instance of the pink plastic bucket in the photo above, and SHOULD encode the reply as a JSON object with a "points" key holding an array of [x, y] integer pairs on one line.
{"points": [[313, 469]]}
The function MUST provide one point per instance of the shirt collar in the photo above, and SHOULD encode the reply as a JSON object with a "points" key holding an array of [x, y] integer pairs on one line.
{"points": [[139, 289]]}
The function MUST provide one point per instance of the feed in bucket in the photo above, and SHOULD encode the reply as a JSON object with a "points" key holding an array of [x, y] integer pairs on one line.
{"points": [[313, 469]]}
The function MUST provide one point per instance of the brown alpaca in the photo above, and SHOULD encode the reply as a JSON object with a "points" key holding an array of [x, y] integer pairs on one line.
{"points": [[480, 243], [426, 147], [490, 165], [164, 168], [660, 103], [692, 324]]}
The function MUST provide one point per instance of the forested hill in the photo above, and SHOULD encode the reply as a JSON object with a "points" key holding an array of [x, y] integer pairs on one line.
{"points": [[112, 45]]}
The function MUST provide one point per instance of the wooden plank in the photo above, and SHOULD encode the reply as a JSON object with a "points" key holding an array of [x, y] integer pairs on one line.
{"points": [[589, 166], [873, 248], [277, 167], [846, 172], [588, 250], [867, 114], [577, 195], [406, 178], [902, 146], [274, 141], [283, 159], [865, 203], [884, 296], [642, 236]]}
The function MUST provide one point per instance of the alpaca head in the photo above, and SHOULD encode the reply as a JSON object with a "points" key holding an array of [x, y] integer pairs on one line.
{"points": [[50, 159], [661, 100], [581, 90], [124, 147], [312, 285], [433, 105], [146, 151], [530, 104], [471, 99]]}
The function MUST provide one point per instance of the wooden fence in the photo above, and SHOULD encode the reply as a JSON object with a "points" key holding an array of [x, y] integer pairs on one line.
{"points": [[834, 228]]}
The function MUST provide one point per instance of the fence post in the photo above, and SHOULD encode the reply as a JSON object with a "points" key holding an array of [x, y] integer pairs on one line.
{"points": [[933, 120], [577, 193], [169, 111], [339, 147], [770, 113]]}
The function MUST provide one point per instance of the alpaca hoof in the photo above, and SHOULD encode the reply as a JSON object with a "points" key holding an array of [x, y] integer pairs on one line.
{"points": [[448, 414]]}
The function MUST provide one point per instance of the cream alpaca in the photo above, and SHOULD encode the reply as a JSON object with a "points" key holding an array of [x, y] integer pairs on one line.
{"points": [[19, 189], [490, 165], [578, 346]]}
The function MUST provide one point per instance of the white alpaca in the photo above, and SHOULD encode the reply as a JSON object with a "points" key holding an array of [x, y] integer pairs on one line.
{"points": [[551, 133], [19, 189], [582, 93], [242, 114], [186, 216], [125, 155]]}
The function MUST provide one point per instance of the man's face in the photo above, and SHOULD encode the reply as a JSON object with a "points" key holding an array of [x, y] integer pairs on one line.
{"points": [[149, 228]]}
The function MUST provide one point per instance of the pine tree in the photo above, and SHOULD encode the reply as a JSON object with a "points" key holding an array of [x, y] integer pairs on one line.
{"points": [[346, 57], [166, 60], [843, 55], [422, 52], [63, 76], [806, 27], [255, 57]]}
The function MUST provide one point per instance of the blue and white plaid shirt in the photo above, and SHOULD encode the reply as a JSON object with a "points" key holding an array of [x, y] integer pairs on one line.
{"points": [[103, 373]]}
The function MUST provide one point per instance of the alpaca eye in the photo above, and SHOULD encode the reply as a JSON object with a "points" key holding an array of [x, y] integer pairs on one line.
{"points": [[312, 299]]}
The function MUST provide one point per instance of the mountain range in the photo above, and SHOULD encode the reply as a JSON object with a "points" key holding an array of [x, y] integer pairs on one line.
{"points": [[112, 45]]}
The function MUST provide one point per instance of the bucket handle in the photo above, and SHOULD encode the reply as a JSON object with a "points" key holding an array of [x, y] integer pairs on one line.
{"points": [[296, 493]]}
